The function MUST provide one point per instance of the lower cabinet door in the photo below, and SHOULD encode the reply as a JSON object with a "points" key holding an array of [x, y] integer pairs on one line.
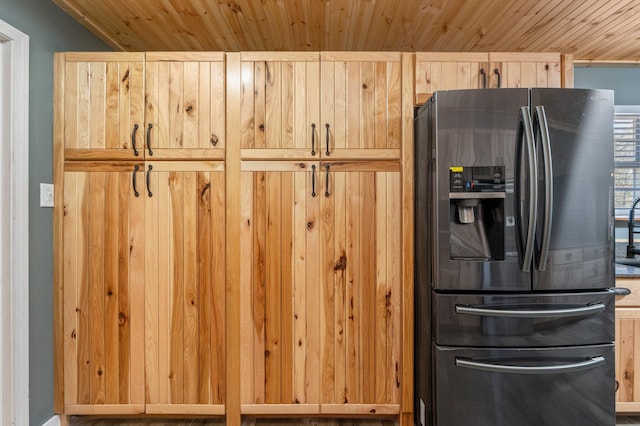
{"points": [[103, 291], [184, 288], [562, 386], [320, 288]]}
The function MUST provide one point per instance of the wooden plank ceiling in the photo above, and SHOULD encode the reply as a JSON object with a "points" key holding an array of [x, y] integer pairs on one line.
{"points": [[588, 29]]}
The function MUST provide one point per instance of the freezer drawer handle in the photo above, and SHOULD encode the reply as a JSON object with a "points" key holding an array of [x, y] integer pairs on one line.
{"points": [[532, 313], [596, 361]]}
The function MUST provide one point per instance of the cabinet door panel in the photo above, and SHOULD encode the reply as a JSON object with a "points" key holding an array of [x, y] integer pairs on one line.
{"points": [[360, 316], [525, 70], [185, 107], [185, 287], [627, 361], [103, 102], [280, 103], [280, 286], [103, 298], [450, 71], [361, 106]]}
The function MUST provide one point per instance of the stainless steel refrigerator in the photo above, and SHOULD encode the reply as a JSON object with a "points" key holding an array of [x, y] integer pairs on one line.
{"points": [[514, 258]]}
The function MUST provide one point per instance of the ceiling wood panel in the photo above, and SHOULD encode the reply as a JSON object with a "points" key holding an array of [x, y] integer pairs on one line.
{"points": [[588, 29]]}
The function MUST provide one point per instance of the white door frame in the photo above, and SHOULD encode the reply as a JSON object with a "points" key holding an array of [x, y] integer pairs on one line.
{"points": [[14, 228]]}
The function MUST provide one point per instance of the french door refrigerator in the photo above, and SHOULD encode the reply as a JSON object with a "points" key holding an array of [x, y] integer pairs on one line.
{"points": [[514, 258]]}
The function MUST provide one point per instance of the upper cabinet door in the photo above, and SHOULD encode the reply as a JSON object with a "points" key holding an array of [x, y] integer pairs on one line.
{"points": [[280, 105], [525, 70], [185, 106], [103, 105], [360, 107], [449, 71]]}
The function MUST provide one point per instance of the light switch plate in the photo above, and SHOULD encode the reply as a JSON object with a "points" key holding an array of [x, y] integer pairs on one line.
{"points": [[46, 195]]}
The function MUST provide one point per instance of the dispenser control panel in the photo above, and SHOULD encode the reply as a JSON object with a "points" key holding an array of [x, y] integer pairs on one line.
{"points": [[476, 179]]}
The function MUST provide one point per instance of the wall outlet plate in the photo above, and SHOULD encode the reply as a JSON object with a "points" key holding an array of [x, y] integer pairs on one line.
{"points": [[46, 195]]}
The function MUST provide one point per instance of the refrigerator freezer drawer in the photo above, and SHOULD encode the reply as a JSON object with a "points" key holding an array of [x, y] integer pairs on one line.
{"points": [[526, 387], [524, 320]]}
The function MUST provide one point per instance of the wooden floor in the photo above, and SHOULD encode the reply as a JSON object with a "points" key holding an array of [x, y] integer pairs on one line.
{"points": [[628, 420]]}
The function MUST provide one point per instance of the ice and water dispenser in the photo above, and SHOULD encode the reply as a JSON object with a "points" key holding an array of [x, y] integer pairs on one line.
{"points": [[476, 212]]}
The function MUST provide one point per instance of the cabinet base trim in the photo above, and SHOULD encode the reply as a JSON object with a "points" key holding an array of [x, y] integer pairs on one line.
{"points": [[186, 409], [280, 409], [104, 409]]}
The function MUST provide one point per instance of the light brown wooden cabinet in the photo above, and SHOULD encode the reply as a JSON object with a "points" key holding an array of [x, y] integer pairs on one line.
{"points": [[320, 105], [184, 290], [103, 290], [101, 105], [627, 347], [320, 288], [184, 106], [140, 245], [468, 70]]}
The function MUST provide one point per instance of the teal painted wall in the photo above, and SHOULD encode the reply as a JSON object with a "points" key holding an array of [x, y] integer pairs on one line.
{"points": [[49, 30], [625, 82]]}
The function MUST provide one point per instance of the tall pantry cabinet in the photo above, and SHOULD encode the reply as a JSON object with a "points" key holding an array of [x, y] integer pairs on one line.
{"points": [[320, 278], [139, 232], [229, 234]]}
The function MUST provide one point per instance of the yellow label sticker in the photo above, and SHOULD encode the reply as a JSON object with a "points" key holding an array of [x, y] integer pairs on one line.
{"points": [[456, 169]]}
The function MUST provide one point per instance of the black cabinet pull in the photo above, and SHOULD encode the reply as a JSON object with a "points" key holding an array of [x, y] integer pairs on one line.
{"points": [[149, 138], [497, 72], [327, 127], [326, 187], [133, 181], [313, 139], [149, 180], [133, 139], [313, 180], [484, 78]]}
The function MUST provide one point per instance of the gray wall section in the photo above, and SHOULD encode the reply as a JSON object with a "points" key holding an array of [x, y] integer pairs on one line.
{"points": [[625, 81], [49, 30]]}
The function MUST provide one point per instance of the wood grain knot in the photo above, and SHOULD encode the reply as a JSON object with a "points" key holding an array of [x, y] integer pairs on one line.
{"points": [[309, 226], [302, 166], [214, 140], [341, 264], [204, 190], [235, 7], [126, 76], [122, 318], [189, 108]]}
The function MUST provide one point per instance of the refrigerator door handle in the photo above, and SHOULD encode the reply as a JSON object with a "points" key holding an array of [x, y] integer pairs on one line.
{"points": [[532, 313], [593, 362], [525, 134], [540, 122]]}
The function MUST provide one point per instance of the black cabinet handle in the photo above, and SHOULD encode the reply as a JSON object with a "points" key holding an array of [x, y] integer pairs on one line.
{"points": [[313, 180], [327, 127], [149, 138], [497, 72], [484, 78], [148, 180], [313, 138], [133, 180], [326, 187], [133, 139]]}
